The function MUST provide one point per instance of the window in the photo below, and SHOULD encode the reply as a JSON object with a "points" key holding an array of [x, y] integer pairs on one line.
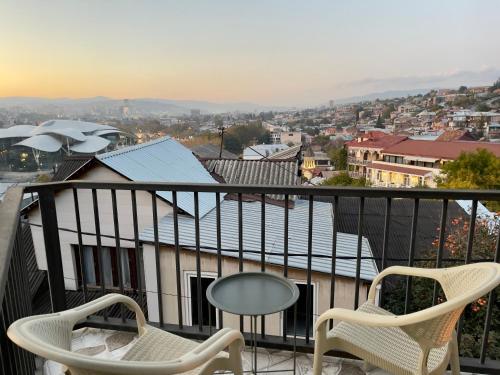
{"points": [[379, 175], [301, 312], [406, 180], [109, 264], [192, 281]]}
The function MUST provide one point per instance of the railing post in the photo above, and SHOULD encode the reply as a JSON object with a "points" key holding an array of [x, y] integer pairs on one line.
{"points": [[52, 249]]}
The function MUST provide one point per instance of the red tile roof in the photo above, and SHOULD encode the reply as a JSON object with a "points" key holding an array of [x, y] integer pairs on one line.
{"points": [[456, 135], [378, 141], [440, 149], [398, 168]]}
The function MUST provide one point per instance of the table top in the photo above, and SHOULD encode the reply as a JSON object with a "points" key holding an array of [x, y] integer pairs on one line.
{"points": [[252, 293]]}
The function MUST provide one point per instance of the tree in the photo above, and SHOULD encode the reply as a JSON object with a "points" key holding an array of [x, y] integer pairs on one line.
{"points": [[343, 179], [462, 89], [472, 170], [338, 156], [387, 111], [495, 86], [379, 123], [482, 107]]}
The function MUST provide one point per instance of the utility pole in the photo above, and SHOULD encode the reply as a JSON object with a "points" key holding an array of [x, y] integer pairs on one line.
{"points": [[221, 134]]}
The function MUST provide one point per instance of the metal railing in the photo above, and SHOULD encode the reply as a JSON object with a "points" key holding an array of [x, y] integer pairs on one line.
{"points": [[14, 287], [51, 232]]}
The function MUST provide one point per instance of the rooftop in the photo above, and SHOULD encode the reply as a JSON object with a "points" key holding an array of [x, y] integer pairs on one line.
{"points": [[440, 149], [297, 241], [379, 142], [163, 160]]}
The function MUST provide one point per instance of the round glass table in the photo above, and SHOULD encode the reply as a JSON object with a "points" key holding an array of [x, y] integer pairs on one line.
{"points": [[255, 294]]}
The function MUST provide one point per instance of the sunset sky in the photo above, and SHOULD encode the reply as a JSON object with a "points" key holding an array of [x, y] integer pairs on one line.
{"points": [[269, 52]]}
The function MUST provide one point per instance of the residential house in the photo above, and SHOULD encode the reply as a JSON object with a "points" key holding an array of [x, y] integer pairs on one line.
{"points": [[257, 152], [412, 163], [251, 258], [166, 160], [160, 160], [367, 148]]}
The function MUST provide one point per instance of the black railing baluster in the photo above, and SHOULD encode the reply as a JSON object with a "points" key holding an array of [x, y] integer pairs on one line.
{"points": [[285, 259], [439, 257], [240, 243], [52, 249], [157, 257], [219, 247], [309, 296], [177, 259], [385, 245], [334, 253], [468, 258], [198, 261], [411, 253], [80, 244], [359, 251], [138, 255], [489, 309], [118, 249], [100, 262], [263, 253]]}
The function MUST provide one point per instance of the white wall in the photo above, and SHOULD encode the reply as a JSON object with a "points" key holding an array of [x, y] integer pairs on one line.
{"points": [[66, 219]]}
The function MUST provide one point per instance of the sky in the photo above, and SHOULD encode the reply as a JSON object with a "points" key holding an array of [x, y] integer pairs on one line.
{"points": [[279, 52]]}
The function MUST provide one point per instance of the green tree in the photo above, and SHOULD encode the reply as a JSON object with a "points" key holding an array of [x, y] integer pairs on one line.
{"points": [[338, 156], [462, 89], [379, 123], [387, 111], [343, 179], [472, 170], [482, 107]]}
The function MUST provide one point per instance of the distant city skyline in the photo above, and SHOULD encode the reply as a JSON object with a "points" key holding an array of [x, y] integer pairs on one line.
{"points": [[289, 53]]}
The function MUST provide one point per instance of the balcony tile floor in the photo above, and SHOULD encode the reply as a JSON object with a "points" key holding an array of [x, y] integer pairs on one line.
{"points": [[113, 345]]}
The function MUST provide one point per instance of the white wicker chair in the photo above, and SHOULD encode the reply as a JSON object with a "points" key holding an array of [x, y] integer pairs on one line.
{"points": [[422, 342], [155, 351]]}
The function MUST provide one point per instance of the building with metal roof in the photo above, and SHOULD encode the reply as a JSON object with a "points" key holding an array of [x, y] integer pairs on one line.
{"points": [[163, 160], [293, 152], [255, 172], [211, 151], [274, 241], [263, 151]]}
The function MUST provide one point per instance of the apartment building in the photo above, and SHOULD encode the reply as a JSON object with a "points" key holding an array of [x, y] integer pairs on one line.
{"points": [[413, 163]]}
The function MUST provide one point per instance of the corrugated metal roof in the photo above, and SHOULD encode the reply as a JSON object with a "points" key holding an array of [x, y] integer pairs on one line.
{"points": [[297, 241], [255, 172], [209, 151], [289, 153], [71, 165], [164, 160]]}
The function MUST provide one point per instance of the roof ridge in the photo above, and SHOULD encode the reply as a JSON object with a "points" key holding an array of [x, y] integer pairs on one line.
{"points": [[128, 149]]}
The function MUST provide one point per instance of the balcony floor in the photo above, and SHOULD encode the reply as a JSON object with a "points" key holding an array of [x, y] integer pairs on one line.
{"points": [[113, 345]]}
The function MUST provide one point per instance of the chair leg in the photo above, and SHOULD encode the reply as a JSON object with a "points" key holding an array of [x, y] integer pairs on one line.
{"points": [[318, 354], [454, 357]]}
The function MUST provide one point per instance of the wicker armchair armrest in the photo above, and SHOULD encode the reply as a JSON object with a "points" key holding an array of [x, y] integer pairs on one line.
{"points": [[406, 271], [83, 311]]}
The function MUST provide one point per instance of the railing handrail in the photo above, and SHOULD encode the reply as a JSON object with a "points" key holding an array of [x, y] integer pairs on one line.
{"points": [[344, 191], [9, 220]]}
